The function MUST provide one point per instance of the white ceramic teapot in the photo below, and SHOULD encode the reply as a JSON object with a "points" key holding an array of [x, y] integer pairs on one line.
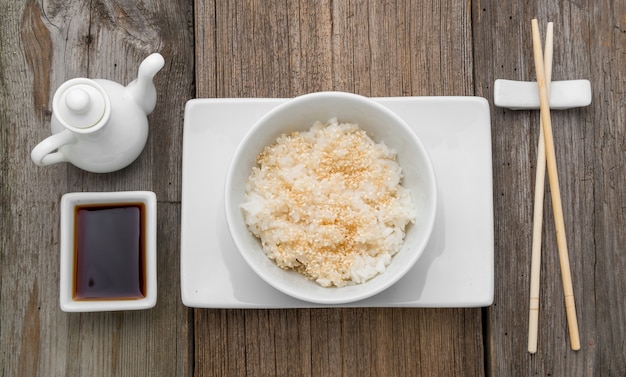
{"points": [[99, 125]]}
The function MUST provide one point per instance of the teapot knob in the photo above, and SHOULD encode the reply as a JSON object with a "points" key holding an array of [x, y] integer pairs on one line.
{"points": [[77, 100], [81, 105]]}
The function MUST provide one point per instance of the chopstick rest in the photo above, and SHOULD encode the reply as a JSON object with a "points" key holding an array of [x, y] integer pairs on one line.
{"points": [[522, 95]]}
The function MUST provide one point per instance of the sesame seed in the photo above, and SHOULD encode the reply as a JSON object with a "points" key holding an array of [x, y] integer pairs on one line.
{"points": [[326, 200]]}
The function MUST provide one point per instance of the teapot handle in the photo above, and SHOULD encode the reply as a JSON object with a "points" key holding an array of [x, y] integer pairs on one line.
{"points": [[43, 153]]}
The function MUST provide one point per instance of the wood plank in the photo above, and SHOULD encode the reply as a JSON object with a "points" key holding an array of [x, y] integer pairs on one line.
{"points": [[377, 48], [284, 49], [590, 42], [43, 46]]}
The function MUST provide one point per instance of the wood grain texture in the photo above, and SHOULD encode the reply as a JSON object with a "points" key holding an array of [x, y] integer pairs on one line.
{"points": [[284, 49], [338, 342], [216, 48], [375, 48], [590, 43], [43, 45]]}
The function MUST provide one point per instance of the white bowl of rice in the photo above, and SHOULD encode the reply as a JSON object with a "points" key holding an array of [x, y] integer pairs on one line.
{"points": [[331, 198]]}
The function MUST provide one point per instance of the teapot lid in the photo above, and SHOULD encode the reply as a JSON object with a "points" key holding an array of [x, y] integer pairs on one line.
{"points": [[81, 104]]}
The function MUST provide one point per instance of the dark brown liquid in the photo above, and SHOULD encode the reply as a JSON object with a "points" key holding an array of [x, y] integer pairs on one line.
{"points": [[109, 252]]}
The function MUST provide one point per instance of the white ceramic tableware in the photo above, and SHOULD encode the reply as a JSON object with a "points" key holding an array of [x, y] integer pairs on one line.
{"points": [[99, 125], [524, 95], [382, 125], [455, 270], [108, 251]]}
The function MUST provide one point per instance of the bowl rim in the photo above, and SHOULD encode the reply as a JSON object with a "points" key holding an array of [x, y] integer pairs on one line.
{"points": [[360, 294]]}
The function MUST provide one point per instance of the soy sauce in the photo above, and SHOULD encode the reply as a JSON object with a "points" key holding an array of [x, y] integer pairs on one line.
{"points": [[109, 252]]}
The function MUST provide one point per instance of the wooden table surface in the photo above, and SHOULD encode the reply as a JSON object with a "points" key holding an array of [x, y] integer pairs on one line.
{"points": [[258, 48]]}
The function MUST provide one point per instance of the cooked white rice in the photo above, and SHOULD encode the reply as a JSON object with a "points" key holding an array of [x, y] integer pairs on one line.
{"points": [[329, 204]]}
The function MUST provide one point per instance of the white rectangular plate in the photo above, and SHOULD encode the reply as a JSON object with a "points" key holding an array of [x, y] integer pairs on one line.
{"points": [[455, 270]]}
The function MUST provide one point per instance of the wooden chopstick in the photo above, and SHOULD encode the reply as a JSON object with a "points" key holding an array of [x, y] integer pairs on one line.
{"points": [[535, 270], [566, 276]]}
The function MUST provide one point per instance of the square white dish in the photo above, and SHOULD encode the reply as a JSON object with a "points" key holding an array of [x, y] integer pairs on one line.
{"points": [[456, 269], [69, 205]]}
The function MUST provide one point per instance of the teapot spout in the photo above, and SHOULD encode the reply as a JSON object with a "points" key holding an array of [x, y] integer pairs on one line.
{"points": [[142, 89]]}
